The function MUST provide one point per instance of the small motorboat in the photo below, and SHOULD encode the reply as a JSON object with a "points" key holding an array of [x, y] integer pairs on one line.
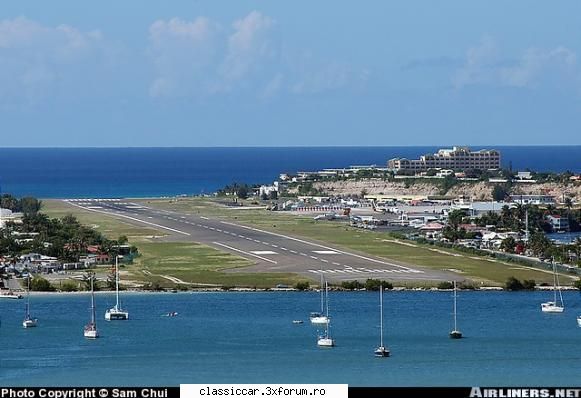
{"points": [[297, 322], [171, 314]]}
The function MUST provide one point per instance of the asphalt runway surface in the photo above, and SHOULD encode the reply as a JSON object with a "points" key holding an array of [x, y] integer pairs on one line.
{"points": [[270, 251]]}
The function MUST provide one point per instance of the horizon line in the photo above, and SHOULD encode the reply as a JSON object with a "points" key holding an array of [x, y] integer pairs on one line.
{"points": [[289, 146]]}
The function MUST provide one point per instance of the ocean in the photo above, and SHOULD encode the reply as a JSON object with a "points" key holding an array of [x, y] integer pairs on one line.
{"points": [[250, 338], [153, 172]]}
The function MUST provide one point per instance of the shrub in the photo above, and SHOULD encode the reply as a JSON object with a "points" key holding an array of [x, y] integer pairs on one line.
{"points": [[529, 284], [39, 284], [351, 285], [513, 284], [302, 286], [69, 287], [445, 285]]}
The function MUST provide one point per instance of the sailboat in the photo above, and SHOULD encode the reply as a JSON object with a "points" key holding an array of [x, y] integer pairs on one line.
{"points": [[455, 334], [381, 351], [116, 313], [318, 318], [28, 322], [553, 306], [325, 339], [90, 330]]}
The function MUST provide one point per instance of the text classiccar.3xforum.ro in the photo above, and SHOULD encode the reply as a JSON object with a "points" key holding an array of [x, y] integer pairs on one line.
{"points": [[83, 393]]}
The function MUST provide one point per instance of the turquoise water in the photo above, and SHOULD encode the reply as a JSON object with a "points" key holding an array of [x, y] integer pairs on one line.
{"points": [[250, 338]]}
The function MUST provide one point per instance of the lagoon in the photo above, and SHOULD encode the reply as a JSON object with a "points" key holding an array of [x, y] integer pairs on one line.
{"points": [[250, 338]]}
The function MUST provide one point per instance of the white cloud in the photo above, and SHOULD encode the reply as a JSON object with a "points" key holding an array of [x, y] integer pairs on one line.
{"points": [[202, 58], [479, 66], [36, 59], [534, 67], [249, 46], [184, 55], [536, 62]]}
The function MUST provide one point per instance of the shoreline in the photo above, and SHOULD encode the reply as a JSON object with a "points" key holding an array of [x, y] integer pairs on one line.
{"points": [[484, 289]]}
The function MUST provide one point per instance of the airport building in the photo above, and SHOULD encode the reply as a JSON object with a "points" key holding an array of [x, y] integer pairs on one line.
{"points": [[457, 158]]}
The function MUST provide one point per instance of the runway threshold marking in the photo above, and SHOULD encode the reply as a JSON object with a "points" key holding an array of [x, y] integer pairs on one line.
{"points": [[248, 253], [318, 245], [133, 218]]}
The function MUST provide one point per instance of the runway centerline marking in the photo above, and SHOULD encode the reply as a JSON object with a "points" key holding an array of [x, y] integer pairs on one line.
{"points": [[247, 253]]}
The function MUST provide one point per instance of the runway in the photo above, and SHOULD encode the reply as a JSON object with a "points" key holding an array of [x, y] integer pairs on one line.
{"points": [[270, 251]]}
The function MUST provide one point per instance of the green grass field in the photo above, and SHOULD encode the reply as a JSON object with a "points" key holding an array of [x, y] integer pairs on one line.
{"points": [[201, 265]]}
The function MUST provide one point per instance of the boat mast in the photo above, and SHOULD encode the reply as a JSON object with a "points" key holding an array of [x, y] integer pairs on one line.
{"points": [[527, 225], [455, 325], [322, 299], [28, 297], [558, 286], [327, 302], [117, 280], [554, 282], [92, 303], [381, 315]]}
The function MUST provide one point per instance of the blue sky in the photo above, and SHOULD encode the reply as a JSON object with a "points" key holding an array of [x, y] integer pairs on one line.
{"points": [[293, 73]]}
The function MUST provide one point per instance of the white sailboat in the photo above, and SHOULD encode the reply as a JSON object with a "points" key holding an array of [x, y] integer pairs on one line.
{"points": [[455, 334], [116, 313], [325, 339], [90, 330], [28, 322], [382, 350], [579, 320], [319, 318], [554, 306]]}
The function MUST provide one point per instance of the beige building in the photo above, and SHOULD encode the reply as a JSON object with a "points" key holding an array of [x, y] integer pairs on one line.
{"points": [[457, 158]]}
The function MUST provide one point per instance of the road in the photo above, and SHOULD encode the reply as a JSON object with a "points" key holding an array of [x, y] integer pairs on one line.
{"points": [[270, 251]]}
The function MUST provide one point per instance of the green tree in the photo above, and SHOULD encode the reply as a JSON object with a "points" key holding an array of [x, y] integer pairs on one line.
{"points": [[372, 284], [302, 286], [513, 284], [68, 286], [455, 218], [529, 284], [351, 285], [539, 243], [242, 191], [499, 192], [446, 285], [39, 284], [30, 205], [122, 240], [508, 244]]}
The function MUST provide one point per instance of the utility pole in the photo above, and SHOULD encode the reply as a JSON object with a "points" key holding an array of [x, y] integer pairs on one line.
{"points": [[527, 226]]}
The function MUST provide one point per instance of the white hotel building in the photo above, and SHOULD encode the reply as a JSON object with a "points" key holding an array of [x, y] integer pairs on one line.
{"points": [[457, 158]]}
